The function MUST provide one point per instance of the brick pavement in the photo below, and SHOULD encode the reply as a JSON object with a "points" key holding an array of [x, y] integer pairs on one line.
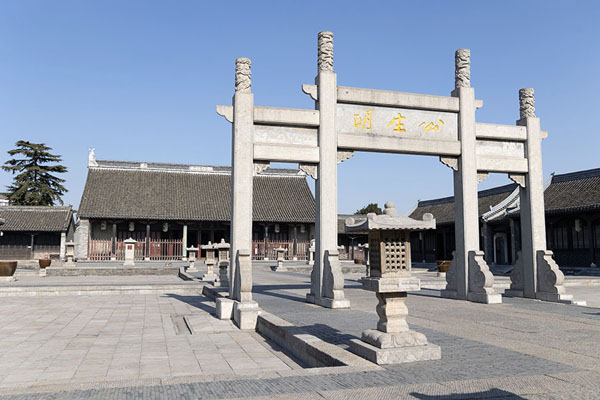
{"points": [[520, 349]]}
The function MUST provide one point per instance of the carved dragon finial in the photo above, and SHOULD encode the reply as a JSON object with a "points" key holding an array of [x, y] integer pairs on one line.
{"points": [[243, 75], [526, 103], [326, 51], [462, 68]]}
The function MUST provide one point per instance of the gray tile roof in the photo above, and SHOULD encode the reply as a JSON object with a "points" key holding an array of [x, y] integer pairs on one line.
{"points": [[35, 218], [443, 209], [573, 192], [123, 190], [341, 222]]}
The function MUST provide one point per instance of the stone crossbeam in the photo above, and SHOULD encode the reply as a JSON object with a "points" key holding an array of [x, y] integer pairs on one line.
{"points": [[286, 153], [392, 99], [277, 116], [388, 144]]}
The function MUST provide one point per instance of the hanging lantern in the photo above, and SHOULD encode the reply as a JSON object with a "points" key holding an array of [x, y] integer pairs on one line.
{"points": [[131, 226], [276, 228], [578, 225], [302, 228], [165, 227], [103, 225]]}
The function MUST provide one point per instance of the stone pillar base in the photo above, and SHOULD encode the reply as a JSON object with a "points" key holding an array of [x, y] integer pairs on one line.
{"points": [[485, 298], [113, 259], [559, 298], [224, 309], [43, 272], [395, 355], [191, 269], [7, 279], [245, 314], [441, 274], [129, 263], [514, 293], [327, 302], [69, 264], [146, 258]]}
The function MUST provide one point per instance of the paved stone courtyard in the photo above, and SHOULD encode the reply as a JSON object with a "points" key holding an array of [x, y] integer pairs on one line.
{"points": [[136, 346]]}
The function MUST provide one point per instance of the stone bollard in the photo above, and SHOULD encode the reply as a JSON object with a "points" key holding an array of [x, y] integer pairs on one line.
{"points": [[129, 251], [210, 275], [192, 251], [69, 254], [390, 278], [223, 263], [280, 255]]}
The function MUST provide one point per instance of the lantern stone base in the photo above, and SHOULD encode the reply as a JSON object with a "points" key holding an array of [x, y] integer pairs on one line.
{"points": [[245, 314], [396, 355], [327, 302]]}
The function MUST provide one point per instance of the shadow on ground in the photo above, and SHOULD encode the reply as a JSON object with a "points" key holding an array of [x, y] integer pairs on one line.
{"points": [[488, 394]]}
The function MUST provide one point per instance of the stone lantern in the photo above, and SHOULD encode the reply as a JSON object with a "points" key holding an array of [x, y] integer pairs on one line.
{"points": [[70, 253], [390, 278], [280, 256], [210, 261], [192, 251], [129, 251], [223, 263]]}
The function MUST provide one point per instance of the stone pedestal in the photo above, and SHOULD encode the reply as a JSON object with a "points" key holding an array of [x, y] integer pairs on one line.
{"points": [[224, 308], [311, 253], [245, 314], [129, 251], [192, 251], [393, 342]]}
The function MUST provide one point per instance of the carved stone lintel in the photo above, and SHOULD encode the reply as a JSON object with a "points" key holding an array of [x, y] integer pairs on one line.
{"points": [[243, 75], [481, 176], [526, 103], [344, 155], [325, 51], [451, 162], [260, 166], [310, 169], [519, 179], [462, 68]]}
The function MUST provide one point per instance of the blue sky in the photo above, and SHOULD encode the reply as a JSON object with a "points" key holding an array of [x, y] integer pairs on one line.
{"points": [[139, 80]]}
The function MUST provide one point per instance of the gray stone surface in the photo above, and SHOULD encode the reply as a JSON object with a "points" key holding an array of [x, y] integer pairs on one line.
{"points": [[488, 352]]}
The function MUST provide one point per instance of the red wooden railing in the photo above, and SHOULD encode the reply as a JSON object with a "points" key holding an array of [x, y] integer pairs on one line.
{"points": [[262, 249], [160, 249]]}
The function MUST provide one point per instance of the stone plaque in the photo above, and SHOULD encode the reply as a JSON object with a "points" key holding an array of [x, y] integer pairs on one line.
{"points": [[396, 122]]}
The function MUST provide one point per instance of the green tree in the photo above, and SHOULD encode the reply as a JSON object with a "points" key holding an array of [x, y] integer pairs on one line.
{"points": [[35, 183], [370, 208]]}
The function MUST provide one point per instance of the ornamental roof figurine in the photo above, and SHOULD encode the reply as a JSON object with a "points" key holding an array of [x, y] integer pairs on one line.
{"points": [[390, 220]]}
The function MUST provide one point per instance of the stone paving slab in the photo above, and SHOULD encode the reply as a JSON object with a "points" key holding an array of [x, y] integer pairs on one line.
{"points": [[518, 349]]}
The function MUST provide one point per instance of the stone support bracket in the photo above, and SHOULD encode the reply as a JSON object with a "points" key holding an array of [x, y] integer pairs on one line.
{"points": [[481, 280]]}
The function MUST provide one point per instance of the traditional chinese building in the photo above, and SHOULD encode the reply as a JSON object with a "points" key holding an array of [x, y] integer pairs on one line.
{"points": [[169, 207], [572, 204], [35, 232]]}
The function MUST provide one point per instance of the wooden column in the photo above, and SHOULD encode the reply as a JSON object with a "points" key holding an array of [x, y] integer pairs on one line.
{"points": [[113, 249], [147, 255], [295, 241]]}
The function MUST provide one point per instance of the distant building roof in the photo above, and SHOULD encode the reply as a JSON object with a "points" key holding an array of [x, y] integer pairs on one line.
{"points": [[36, 218], [573, 192], [341, 222], [138, 190], [443, 209]]}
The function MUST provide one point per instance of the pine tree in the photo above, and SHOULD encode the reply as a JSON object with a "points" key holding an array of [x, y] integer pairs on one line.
{"points": [[370, 208], [35, 183]]}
